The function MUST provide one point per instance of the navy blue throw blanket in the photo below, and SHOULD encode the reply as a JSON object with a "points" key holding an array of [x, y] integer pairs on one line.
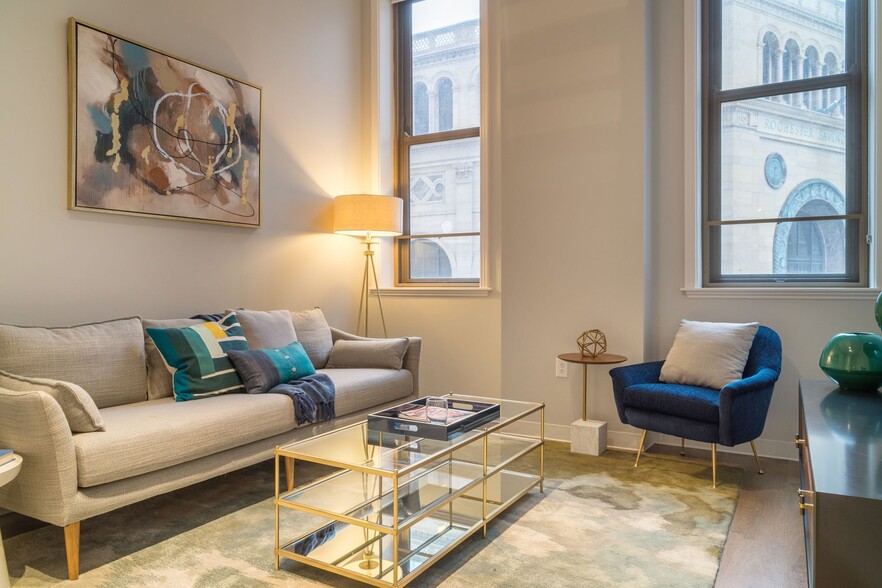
{"points": [[313, 398]]}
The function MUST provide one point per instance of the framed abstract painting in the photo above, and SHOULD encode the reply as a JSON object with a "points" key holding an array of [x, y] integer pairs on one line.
{"points": [[153, 134]]}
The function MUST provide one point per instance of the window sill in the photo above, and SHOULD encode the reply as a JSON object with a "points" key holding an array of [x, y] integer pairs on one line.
{"points": [[434, 291], [783, 293]]}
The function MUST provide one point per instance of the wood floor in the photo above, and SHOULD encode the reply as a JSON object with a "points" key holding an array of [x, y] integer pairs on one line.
{"points": [[765, 546]]}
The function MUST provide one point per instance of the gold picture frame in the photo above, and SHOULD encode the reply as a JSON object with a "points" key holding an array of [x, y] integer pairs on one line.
{"points": [[155, 135]]}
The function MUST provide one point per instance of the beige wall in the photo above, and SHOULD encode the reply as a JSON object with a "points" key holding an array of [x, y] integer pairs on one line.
{"points": [[572, 196], [62, 267], [566, 209]]}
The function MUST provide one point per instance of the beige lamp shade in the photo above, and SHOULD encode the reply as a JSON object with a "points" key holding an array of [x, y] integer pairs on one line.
{"points": [[362, 214]]}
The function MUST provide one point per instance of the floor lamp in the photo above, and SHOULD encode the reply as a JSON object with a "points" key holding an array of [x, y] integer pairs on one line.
{"points": [[368, 216]]}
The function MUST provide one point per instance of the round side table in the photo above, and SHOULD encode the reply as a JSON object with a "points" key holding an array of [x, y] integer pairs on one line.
{"points": [[8, 472], [589, 436]]}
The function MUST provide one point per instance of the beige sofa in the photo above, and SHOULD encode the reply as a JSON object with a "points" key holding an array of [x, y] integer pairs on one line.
{"points": [[151, 445]]}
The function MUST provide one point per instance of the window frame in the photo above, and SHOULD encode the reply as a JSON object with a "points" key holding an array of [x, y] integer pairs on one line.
{"points": [[405, 139], [856, 81]]}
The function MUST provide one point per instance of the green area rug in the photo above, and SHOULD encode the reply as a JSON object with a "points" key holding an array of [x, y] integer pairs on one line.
{"points": [[601, 522]]}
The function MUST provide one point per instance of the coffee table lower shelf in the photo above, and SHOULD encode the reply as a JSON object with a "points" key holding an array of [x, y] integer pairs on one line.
{"points": [[366, 555]]}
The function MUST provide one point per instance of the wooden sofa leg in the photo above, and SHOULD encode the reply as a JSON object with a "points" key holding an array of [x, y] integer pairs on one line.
{"points": [[72, 547]]}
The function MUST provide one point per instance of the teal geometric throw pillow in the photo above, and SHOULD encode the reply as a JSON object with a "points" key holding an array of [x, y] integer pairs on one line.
{"points": [[262, 369], [197, 357]]}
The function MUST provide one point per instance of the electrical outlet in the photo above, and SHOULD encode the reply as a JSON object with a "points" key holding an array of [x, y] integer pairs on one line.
{"points": [[560, 368]]}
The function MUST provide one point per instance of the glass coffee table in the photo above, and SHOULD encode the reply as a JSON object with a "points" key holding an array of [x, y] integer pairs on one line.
{"points": [[395, 504]]}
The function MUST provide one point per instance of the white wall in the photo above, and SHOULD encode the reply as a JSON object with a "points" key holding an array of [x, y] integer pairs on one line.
{"points": [[63, 267], [804, 325]]}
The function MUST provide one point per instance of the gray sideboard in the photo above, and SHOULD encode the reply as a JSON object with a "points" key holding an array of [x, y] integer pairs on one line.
{"points": [[840, 454]]}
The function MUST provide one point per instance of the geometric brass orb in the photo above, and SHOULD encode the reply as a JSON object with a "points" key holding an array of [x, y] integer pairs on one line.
{"points": [[592, 343]]}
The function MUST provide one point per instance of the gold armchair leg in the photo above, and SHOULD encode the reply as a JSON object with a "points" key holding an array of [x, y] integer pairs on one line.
{"points": [[640, 448], [72, 548], [759, 468], [714, 462], [682, 445]]}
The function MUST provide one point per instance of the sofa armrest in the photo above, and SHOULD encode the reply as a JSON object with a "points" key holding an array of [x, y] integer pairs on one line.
{"points": [[411, 355], [33, 425]]}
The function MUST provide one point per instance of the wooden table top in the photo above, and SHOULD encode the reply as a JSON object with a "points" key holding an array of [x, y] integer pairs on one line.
{"points": [[587, 359]]}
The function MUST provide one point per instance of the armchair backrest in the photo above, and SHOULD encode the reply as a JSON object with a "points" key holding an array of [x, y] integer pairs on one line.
{"points": [[764, 353]]}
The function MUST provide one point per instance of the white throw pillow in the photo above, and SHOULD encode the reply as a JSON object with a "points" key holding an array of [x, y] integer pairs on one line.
{"points": [[708, 354]]}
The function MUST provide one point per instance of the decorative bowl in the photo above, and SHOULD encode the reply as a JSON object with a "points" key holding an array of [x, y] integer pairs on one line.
{"points": [[853, 360]]}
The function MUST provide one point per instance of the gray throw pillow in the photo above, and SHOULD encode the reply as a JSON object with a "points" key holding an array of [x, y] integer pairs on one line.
{"points": [[267, 329], [314, 334], [78, 407], [385, 353], [105, 358]]}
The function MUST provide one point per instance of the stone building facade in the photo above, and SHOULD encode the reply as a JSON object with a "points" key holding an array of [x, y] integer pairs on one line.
{"points": [[783, 156]]}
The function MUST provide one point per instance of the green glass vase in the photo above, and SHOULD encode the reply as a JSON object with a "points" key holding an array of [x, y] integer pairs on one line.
{"points": [[853, 360]]}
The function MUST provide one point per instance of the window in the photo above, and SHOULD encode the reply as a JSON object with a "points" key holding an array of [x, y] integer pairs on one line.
{"points": [[438, 148], [785, 133]]}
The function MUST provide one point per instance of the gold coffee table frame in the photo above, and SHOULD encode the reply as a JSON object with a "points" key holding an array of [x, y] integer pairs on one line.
{"points": [[458, 486]]}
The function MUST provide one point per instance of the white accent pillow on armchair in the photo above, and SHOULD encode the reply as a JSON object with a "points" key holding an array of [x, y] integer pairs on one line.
{"points": [[708, 354]]}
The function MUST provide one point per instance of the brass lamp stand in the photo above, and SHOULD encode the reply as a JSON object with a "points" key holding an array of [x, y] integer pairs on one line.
{"points": [[369, 269]]}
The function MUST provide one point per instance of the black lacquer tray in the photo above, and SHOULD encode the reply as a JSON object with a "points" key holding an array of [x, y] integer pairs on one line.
{"points": [[403, 419]]}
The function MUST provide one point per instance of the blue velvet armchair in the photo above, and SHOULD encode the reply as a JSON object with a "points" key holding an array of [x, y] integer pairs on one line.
{"points": [[736, 414]]}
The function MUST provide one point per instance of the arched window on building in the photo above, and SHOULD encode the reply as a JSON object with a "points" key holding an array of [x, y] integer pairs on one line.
{"points": [[831, 95], [429, 260], [771, 53], [420, 109], [791, 66], [811, 68], [811, 247], [444, 90]]}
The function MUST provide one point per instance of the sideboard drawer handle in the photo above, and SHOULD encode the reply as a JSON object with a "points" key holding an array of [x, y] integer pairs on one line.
{"points": [[803, 494]]}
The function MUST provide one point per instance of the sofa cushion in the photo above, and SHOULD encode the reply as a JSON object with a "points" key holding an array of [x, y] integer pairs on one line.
{"points": [[197, 356], [314, 334], [385, 353], [262, 369], [358, 389], [157, 434], [106, 359], [689, 402], [267, 329], [708, 354], [159, 377], [79, 409]]}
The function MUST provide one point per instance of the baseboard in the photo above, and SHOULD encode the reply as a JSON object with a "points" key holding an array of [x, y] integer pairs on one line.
{"points": [[624, 440], [764, 447], [629, 440], [552, 432]]}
